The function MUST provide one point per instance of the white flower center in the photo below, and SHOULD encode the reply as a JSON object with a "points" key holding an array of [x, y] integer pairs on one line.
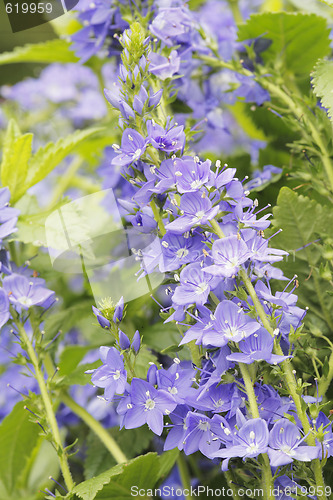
{"points": [[204, 425], [137, 154], [182, 252], [150, 404], [116, 375], [25, 301], [173, 390]]}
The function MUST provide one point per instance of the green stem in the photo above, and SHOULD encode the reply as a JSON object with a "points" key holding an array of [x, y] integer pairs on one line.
{"points": [[231, 484], [48, 408], [234, 7], [158, 217], [108, 441], [249, 390], [289, 377], [96, 427], [286, 365], [325, 382], [184, 475]]}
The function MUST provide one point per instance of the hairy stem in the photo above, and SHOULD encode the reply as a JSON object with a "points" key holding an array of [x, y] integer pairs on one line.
{"points": [[48, 408]]}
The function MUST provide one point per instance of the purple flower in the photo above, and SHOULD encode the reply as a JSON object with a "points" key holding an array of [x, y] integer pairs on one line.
{"points": [[133, 145], [196, 209], [177, 432], [147, 405], [249, 441], [24, 292], [251, 90], [178, 250], [164, 67], [4, 308], [112, 375], [257, 347], [177, 381], [8, 215], [230, 324], [228, 254], [168, 140], [191, 174], [194, 286], [105, 323], [259, 178], [199, 435], [286, 445], [171, 23]]}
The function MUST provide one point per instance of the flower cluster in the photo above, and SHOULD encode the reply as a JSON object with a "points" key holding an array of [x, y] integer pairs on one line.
{"points": [[219, 268]]}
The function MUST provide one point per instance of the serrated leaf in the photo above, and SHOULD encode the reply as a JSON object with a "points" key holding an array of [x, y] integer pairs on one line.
{"points": [[16, 154], [48, 157], [50, 51], [323, 84], [18, 437], [298, 40], [304, 221], [116, 483]]}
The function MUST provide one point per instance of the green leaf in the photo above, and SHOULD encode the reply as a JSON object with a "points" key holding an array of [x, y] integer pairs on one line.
{"points": [[304, 221], [20, 171], [131, 441], [46, 52], [48, 157], [16, 154], [142, 361], [116, 483], [298, 40], [18, 438], [323, 84]]}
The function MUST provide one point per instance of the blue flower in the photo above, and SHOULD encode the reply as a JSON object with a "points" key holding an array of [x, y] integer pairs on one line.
{"points": [[26, 293], [178, 428], [199, 435], [133, 145], [249, 441], [136, 342], [164, 67], [194, 286], [196, 209], [112, 375], [286, 445], [228, 255], [177, 381], [257, 347], [4, 308], [119, 310], [147, 405], [191, 173], [166, 139], [8, 215], [230, 324], [178, 250]]}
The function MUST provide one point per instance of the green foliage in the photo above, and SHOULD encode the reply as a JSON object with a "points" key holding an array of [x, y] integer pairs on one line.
{"points": [[15, 158], [141, 472], [131, 441], [304, 221], [18, 438], [20, 170], [298, 40], [46, 52], [323, 84]]}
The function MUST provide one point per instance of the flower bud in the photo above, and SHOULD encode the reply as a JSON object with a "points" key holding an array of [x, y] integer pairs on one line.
{"points": [[136, 341], [124, 342]]}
